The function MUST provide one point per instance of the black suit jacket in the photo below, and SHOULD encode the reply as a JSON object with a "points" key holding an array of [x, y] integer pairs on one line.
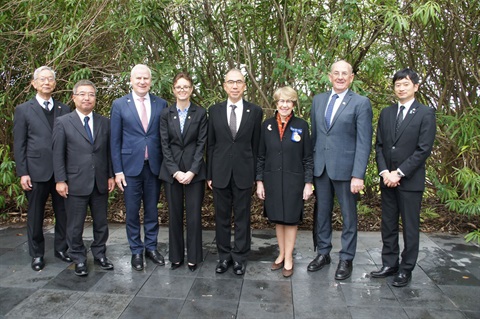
{"points": [[410, 148], [77, 161], [33, 139], [226, 155], [183, 152]]}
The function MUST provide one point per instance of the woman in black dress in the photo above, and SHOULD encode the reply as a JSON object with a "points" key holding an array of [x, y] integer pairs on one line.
{"points": [[285, 173]]}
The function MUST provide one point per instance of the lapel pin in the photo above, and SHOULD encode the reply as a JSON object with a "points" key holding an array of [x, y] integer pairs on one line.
{"points": [[248, 110], [344, 103], [189, 117], [174, 117], [269, 127]]}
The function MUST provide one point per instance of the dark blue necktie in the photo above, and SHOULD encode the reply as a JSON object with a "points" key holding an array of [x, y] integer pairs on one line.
{"points": [[399, 120], [87, 129], [328, 115], [46, 103]]}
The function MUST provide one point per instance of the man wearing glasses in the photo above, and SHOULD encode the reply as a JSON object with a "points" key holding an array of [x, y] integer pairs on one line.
{"points": [[32, 134], [137, 157], [233, 139], [341, 138]]}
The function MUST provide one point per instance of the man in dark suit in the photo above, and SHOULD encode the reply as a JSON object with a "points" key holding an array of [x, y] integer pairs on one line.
{"points": [[233, 139], [84, 175], [32, 133], [405, 136], [137, 157], [341, 136]]}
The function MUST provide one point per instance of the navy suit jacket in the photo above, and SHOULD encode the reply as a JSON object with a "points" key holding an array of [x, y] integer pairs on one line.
{"points": [[342, 150], [226, 155], [128, 138], [32, 143], [77, 161], [183, 152], [409, 148]]}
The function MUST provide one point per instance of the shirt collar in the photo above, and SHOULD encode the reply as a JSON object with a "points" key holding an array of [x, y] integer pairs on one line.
{"points": [[239, 104], [136, 97], [40, 101], [82, 116], [407, 105]]}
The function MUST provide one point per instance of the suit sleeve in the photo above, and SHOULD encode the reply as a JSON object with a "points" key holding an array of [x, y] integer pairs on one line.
{"points": [[201, 140], [380, 158], [59, 147], [313, 123], [307, 156], [20, 136], [261, 155], [363, 139], [116, 129], [424, 144], [256, 132], [211, 139]]}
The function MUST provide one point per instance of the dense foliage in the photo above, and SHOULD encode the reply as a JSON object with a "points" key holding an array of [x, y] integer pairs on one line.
{"points": [[275, 43]]}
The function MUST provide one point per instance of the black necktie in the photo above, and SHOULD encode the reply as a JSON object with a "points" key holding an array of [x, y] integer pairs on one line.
{"points": [[328, 115], [233, 121], [46, 105], [87, 129], [399, 120]]}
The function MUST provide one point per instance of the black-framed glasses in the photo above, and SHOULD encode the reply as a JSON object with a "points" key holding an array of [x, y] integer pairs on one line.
{"points": [[237, 82], [183, 88], [84, 95]]}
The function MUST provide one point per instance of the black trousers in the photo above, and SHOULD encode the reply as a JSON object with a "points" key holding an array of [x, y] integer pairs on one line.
{"points": [[190, 198], [37, 198], [396, 203], [226, 200], [77, 211]]}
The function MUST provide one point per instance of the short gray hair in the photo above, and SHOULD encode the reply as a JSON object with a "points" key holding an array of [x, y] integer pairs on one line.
{"points": [[42, 68], [140, 66], [84, 83]]}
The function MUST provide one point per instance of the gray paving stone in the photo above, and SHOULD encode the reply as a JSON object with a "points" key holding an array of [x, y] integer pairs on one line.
{"points": [[146, 307], [465, 298], [266, 291], [200, 308], [426, 297], [248, 310], [121, 283], [97, 305], [166, 286], [422, 313], [10, 297], [372, 294], [67, 280], [215, 289], [369, 312]]}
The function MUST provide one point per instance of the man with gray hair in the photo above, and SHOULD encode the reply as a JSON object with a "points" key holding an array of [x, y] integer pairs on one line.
{"points": [[32, 135]]}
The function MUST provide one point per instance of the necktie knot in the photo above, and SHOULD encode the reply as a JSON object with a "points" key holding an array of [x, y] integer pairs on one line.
{"points": [[86, 119], [46, 103], [87, 128], [329, 113]]}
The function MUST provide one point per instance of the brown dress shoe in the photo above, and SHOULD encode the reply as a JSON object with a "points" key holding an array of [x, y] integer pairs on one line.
{"points": [[287, 272], [276, 266]]}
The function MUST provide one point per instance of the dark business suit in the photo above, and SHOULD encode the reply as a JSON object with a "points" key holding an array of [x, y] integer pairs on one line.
{"points": [[340, 153], [407, 150], [128, 142], [231, 165], [32, 134], [184, 152], [86, 168]]}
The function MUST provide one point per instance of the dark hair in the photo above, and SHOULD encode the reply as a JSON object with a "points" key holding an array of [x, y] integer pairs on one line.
{"points": [[84, 83], [183, 75], [406, 73]]}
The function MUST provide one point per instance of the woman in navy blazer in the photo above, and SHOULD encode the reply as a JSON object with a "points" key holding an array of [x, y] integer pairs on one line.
{"points": [[285, 173], [183, 133]]}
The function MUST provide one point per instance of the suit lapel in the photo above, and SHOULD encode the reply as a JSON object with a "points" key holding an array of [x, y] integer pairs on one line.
{"points": [[133, 109], [247, 109], [412, 111], [224, 109], [38, 109], [191, 114], [97, 126], [77, 124], [342, 107], [322, 109], [155, 110], [175, 121]]}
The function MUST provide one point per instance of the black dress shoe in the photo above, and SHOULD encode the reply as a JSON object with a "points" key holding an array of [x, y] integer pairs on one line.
{"points": [[344, 269], [104, 263], [155, 256], [238, 268], [319, 262], [385, 271], [137, 262], [402, 279], [222, 266], [38, 263], [81, 269], [192, 267], [63, 256], [174, 266]]}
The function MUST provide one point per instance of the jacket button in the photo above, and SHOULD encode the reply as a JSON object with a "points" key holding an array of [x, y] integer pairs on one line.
{"points": [[393, 147]]}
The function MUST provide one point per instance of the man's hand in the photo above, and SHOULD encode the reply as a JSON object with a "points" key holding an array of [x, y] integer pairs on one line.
{"points": [[186, 178], [111, 184], [120, 181], [391, 179], [260, 190], [209, 183], [26, 183], [62, 189], [356, 185], [307, 191]]}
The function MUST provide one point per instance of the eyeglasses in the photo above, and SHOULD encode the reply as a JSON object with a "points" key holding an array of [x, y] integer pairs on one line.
{"points": [[337, 74], [43, 80], [237, 82], [182, 88], [83, 95], [288, 102]]}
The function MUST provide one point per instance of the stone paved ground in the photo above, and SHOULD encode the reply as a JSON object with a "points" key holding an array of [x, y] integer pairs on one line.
{"points": [[446, 283]]}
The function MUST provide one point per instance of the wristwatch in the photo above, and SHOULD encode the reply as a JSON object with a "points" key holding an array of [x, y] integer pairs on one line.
{"points": [[399, 173]]}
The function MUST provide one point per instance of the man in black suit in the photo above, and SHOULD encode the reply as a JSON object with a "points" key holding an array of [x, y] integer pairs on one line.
{"points": [[233, 139], [342, 137], [84, 174], [32, 133], [405, 136]]}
